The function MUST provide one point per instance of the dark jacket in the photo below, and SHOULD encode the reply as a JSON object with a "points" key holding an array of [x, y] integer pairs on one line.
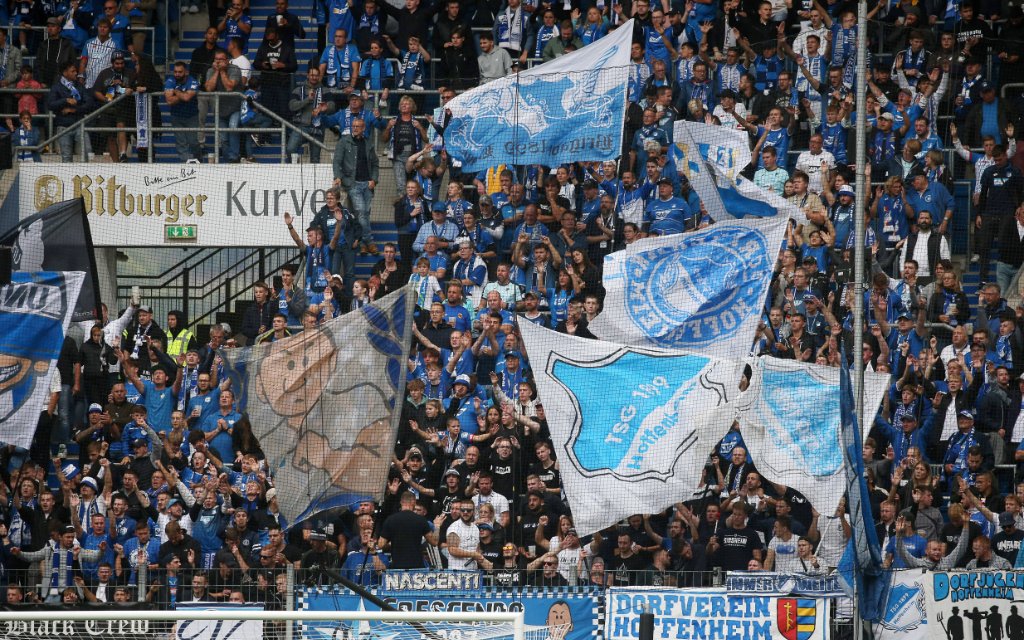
{"points": [[346, 160], [972, 126], [66, 114], [51, 55], [258, 315]]}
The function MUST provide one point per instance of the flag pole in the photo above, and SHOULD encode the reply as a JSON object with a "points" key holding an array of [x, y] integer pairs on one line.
{"points": [[860, 86]]}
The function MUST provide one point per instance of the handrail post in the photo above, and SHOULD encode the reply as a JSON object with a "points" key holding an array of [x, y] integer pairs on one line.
{"points": [[284, 143], [85, 147], [216, 127], [185, 287], [149, 127]]}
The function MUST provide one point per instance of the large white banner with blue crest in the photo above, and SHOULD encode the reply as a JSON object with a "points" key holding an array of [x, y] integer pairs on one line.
{"points": [[701, 291], [570, 109], [631, 426], [791, 423], [324, 404], [35, 311]]}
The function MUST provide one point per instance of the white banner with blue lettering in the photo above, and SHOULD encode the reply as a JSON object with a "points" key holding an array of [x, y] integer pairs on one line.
{"points": [[711, 157], [35, 311], [955, 605], [790, 419], [700, 291], [224, 629], [570, 109], [631, 426], [714, 614]]}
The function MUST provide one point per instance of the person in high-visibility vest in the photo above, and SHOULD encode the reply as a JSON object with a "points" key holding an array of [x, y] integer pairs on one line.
{"points": [[179, 338]]}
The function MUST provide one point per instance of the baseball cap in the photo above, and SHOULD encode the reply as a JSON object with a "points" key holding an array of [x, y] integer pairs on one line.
{"points": [[139, 442], [68, 529], [485, 525], [91, 483], [985, 85], [908, 417], [54, 21], [439, 206], [70, 470], [486, 200], [117, 55], [513, 354], [904, 314], [316, 535], [665, 181], [846, 190], [462, 379], [531, 294], [271, 494], [452, 472], [965, 414], [95, 408], [589, 184], [1006, 519], [887, 116], [146, 308]]}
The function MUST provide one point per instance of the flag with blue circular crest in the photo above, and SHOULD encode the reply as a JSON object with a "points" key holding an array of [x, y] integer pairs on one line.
{"points": [[631, 426], [35, 311], [703, 290], [570, 109], [325, 404]]}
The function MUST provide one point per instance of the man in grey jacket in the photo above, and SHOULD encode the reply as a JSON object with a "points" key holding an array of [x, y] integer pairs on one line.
{"points": [[356, 169], [308, 106], [57, 561]]}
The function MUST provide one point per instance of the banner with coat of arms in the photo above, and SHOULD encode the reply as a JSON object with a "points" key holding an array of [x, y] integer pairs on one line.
{"points": [[714, 613]]}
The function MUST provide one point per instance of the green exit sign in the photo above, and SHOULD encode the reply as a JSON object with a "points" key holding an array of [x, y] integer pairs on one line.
{"points": [[180, 232]]}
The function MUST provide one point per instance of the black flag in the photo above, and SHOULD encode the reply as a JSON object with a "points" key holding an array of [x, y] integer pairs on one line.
{"points": [[58, 239]]}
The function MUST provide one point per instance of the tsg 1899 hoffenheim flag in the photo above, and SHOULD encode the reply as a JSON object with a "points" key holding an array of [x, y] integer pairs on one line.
{"points": [[702, 291], [568, 110], [792, 426], [35, 311], [631, 426]]}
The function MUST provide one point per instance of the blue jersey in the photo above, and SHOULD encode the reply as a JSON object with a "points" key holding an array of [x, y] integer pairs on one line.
{"points": [[668, 216], [159, 403]]}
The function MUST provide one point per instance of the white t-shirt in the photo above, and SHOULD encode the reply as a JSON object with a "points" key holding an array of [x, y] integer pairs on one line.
{"points": [[726, 118], [810, 164], [786, 558], [469, 540], [496, 500], [244, 65]]}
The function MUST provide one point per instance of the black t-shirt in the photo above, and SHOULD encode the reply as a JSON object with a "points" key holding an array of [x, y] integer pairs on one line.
{"points": [[491, 551], [736, 548], [502, 577], [506, 475], [404, 531], [625, 570], [551, 477], [1007, 545], [950, 534], [801, 507]]}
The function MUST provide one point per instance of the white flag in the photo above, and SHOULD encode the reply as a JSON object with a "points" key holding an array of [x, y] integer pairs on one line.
{"points": [[632, 427], [702, 291], [791, 422]]}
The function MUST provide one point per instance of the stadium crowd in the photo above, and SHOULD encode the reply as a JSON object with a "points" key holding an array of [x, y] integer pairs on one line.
{"points": [[157, 478]]}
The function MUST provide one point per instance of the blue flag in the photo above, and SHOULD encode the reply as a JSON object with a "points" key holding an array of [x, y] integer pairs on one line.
{"points": [[35, 311], [570, 109], [328, 434], [862, 561]]}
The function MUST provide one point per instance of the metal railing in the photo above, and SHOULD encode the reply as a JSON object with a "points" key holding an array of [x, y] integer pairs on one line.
{"points": [[207, 281], [12, 30]]}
